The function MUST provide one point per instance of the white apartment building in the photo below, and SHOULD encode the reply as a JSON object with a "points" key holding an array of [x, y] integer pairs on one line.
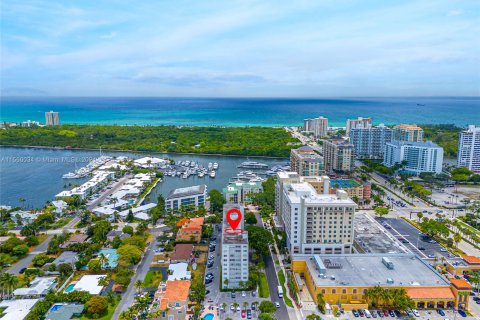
{"points": [[317, 223], [52, 118], [469, 149], [338, 155], [419, 156], [369, 142], [358, 123], [241, 192], [234, 251], [189, 197], [99, 179], [317, 126], [306, 162]]}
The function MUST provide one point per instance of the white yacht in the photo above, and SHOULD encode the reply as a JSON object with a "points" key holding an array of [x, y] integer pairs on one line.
{"points": [[215, 166], [212, 174], [210, 166], [70, 175], [252, 165], [201, 174]]}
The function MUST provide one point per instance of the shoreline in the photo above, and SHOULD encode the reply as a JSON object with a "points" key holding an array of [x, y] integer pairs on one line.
{"points": [[140, 152]]}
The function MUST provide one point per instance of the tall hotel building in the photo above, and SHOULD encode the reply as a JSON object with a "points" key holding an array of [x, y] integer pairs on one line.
{"points": [[306, 162], [338, 155], [407, 132], [52, 118], [469, 149], [316, 223], [234, 251], [369, 142], [317, 126], [358, 123]]}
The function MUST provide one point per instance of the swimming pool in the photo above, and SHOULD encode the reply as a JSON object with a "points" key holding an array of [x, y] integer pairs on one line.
{"points": [[208, 316], [69, 288], [131, 201], [56, 307]]}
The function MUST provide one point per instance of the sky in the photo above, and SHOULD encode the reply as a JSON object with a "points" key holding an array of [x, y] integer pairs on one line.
{"points": [[240, 48]]}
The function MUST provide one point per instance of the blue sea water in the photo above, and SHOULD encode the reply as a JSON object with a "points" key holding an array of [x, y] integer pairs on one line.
{"points": [[241, 112]]}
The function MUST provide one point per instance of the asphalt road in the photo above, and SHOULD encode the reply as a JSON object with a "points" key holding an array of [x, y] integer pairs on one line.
{"points": [[401, 228], [25, 262], [272, 279], [141, 270]]}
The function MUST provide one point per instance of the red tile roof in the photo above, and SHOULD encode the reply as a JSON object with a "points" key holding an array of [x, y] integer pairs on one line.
{"points": [[471, 259], [430, 293], [460, 283], [176, 291]]}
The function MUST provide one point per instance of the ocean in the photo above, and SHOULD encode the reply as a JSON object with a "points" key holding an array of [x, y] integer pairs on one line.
{"points": [[460, 111]]}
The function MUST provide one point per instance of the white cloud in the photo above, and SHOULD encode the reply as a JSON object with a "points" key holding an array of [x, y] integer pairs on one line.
{"points": [[457, 12]]}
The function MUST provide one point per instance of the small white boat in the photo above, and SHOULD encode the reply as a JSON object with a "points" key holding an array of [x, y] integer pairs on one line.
{"points": [[212, 174], [192, 164], [210, 165], [70, 175], [215, 166], [187, 163], [201, 174]]}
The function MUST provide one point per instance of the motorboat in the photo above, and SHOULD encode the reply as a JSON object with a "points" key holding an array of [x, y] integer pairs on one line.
{"points": [[253, 165], [212, 174]]}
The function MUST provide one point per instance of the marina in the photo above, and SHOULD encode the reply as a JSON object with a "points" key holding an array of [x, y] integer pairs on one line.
{"points": [[38, 181]]}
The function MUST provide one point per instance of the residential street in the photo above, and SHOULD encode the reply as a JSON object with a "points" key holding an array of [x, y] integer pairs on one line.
{"points": [[141, 270], [25, 262]]}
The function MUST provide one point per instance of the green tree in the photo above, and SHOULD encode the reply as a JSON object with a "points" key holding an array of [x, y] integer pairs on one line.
{"points": [[94, 265], [129, 254], [128, 230], [381, 211], [321, 303], [65, 269], [457, 237], [250, 218], [40, 259], [259, 239], [313, 316], [217, 200], [96, 306], [267, 307], [130, 217], [20, 250]]}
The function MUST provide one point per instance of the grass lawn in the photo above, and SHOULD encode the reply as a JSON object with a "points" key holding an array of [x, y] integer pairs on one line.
{"points": [[152, 279], [281, 278], [263, 289], [109, 315], [469, 227]]}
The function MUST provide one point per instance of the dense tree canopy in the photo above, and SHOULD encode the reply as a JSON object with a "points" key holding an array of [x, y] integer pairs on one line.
{"points": [[258, 141]]}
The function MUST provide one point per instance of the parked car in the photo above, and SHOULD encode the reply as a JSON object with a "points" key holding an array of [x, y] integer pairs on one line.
{"points": [[391, 313], [441, 312], [360, 311], [253, 306], [233, 295], [416, 313], [277, 304], [249, 314], [380, 313], [244, 313], [355, 313], [462, 313]]}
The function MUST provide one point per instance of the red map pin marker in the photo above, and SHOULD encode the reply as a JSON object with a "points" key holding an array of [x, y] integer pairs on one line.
{"points": [[234, 216]]}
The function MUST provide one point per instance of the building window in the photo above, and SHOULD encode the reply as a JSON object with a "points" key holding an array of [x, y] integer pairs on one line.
{"points": [[354, 291], [334, 291], [344, 291]]}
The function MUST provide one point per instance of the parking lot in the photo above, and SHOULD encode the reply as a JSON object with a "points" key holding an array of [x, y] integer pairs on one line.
{"points": [[424, 315], [403, 230]]}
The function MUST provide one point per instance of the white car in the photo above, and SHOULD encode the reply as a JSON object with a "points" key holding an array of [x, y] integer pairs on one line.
{"points": [[244, 294], [416, 313], [238, 308], [232, 307], [277, 304]]}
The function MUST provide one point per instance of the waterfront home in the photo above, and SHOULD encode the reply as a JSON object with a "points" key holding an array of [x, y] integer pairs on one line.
{"points": [[60, 206], [172, 299], [99, 179], [64, 311], [39, 287], [191, 231], [21, 217]]}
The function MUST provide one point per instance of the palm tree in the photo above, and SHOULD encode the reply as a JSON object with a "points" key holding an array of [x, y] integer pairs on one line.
{"points": [[224, 306], [103, 261], [138, 285], [225, 282], [321, 302], [103, 281], [9, 282], [457, 237], [245, 305], [235, 305]]}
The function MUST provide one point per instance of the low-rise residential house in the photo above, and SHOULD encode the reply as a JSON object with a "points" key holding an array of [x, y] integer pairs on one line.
{"points": [[21, 217], [140, 212], [179, 271], [69, 257], [117, 233], [76, 238], [172, 297], [39, 287], [60, 206], [64, 311], [191, 231], [183, 253], [17, 309]]}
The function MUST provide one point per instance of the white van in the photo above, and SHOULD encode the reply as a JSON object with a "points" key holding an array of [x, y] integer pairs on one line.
{"points": [[367, 313], [280, 291]]}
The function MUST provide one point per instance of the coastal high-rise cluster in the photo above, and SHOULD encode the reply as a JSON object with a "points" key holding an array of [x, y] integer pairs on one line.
{"points": [[469, 149]]}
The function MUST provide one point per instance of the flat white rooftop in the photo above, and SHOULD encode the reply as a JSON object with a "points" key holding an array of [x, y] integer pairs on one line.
{"points": [[179, 271], [17, 309], [89, 283]]}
